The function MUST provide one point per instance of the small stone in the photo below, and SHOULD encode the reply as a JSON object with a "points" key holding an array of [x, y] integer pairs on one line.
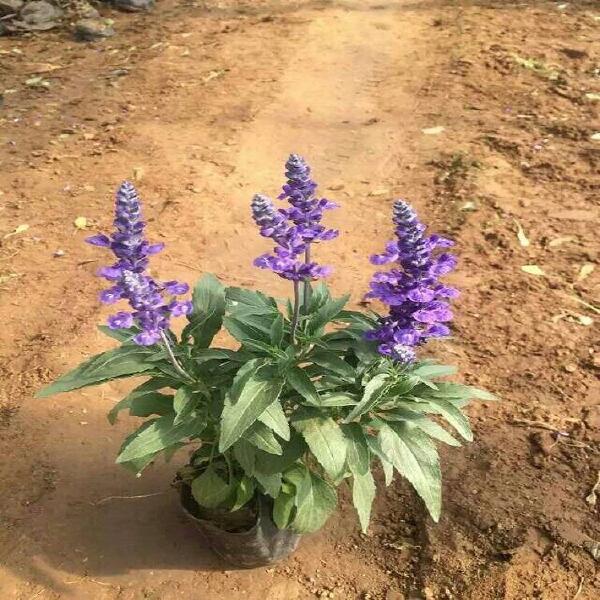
{"points": [[592, 417], [134, 5], [39, 12], [570, 368], [88, 30]]}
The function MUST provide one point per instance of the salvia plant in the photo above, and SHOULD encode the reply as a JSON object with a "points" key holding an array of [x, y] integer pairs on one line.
{"points": [[312, 395]]}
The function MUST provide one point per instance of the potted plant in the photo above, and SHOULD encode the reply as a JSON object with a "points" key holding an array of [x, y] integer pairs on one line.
{"points": [[312, 395]]}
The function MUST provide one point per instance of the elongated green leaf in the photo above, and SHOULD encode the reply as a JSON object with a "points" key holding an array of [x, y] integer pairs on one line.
{"points": [[453, 415], [334, 399], [388, 468], [250, 298], [206, 319], [274, 418], [375, 390], [160, 434], [245, 453], [300, 381], [357, 453], [259, 391], [185, 401], [431, 428], [363, 494], [203, 355], [156, 383], [244, 373], [324, 438], [262, 437], [326, 313], [210, 489], [276, 332], [121, 335], [315, 501], [120, 362], [415, 457], [334, 363], [319, 295], [282, 509], [428, 370]]}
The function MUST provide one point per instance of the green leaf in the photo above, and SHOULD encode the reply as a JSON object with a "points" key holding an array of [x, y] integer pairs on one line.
{"points": [[244, 492], [415, 457], [160, 434], [156, 383], [243, 332], [431, 428], [204, 355], [210, 490], [282, 509], [271, 482], [357, 453], [276, 332], [120, 362], [324, 438], [319, 296], [428, 370], [137, 465], [453, 415], [363, 494], [250, 298], [274, 418], [388, 468], [315, 501], [262, 437], [245, 453], [151, 403], [259, 391], [206, 319], [121, 335], [332, 362], [375, 390], [337, 399], [326, 313], [300, 381], [185, 401], [244, 373], [270, 464]]}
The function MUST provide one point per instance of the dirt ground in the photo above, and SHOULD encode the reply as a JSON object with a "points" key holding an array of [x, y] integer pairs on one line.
{"points": [[200, 102]]}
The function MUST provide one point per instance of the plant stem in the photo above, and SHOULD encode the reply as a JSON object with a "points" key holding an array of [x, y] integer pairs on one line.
{"points": [[306, 281], [296, 310], [174, 361]]}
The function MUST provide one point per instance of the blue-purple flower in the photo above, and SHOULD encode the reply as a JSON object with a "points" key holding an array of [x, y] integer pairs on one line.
{"points": [[417, 300], [293, 229], [153, 302]]}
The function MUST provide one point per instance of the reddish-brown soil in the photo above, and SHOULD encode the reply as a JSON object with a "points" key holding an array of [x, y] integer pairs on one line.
{"points": [[200, 103]]}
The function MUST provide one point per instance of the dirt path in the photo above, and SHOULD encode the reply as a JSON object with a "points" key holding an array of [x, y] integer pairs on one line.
{"points": [[203, 105]]}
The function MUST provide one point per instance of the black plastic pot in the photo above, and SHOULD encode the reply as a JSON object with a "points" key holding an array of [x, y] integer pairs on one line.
{"points": [[262, 544]]}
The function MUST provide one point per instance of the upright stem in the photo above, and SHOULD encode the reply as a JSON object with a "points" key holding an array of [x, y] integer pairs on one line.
{"points": [[306, 281], [174, 361], [296, 310]]}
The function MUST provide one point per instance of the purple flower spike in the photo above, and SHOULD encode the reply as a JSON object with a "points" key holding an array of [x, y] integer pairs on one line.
{"points": [[411, 288], [146, 296], [294, 229]]}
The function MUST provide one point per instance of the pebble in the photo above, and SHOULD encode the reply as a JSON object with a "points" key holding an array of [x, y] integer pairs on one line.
{"points": [[39, 12], [134, 5], [88, 30]]}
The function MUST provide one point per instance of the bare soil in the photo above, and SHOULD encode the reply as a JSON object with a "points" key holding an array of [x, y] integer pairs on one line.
{"points": [[200, 102]]}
